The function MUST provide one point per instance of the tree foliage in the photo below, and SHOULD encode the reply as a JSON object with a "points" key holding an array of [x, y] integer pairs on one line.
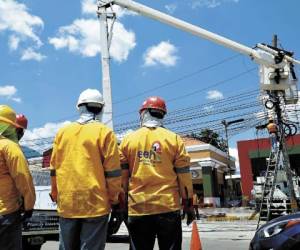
{"points": [[209, 136]]}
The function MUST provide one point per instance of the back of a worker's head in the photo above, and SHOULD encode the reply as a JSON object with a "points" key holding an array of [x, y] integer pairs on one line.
{"points": [[153, 110], [90, 100]]}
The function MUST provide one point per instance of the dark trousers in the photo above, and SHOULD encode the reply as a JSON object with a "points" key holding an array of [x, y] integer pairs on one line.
{"points": [[197, 212], [11, 231], [83, 234], [166, 227]]}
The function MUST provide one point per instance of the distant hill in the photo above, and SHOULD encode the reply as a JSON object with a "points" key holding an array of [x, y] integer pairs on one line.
{"points": [[30, 153]]}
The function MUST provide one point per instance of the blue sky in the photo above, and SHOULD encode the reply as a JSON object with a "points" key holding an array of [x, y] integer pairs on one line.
{"points": [[50, 53]]}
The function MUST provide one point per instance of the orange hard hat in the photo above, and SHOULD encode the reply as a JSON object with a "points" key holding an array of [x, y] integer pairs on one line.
{"points": [[154, 102], [22, 121]]}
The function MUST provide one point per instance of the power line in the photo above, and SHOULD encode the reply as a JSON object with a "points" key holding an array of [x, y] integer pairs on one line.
{"points": [[196, 91], [190, 109], [184, 77]]}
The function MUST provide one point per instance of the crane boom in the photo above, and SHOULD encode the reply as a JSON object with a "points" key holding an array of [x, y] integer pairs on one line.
{"points": [[261, 56]]}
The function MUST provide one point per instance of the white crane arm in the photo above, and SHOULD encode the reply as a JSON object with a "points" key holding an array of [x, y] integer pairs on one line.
{"points": [[261, 56]]}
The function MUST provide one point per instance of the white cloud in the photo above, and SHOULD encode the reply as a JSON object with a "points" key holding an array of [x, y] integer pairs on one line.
{"points": [[234, 152], [30, 54], [13, 42], [208, 109], [89, 7], [17, 99], [41, 139], [83, 37], [214, 95], [171, 8], [210, 3], [164, 54], [9, 92], [22, 26]]}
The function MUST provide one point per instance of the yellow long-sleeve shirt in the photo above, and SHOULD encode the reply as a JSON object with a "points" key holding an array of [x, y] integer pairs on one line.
{"points": [[88, 174], [158, 171], [15, 178]]}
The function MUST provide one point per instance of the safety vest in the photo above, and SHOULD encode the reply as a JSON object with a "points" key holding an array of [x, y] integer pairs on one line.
{"points": [[159, 173], [15, 179], [86, 161]]}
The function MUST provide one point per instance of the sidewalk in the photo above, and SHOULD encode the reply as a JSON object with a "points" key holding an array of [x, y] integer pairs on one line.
{"points": [[224, 214]]}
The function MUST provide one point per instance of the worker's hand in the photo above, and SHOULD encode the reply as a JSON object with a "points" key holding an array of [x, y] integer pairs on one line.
{"points": [[188, 210], [116, 219], [26, 215]]}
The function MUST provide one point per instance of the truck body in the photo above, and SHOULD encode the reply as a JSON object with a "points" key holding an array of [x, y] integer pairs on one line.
{"points": [[44, 224], [281, 201]]}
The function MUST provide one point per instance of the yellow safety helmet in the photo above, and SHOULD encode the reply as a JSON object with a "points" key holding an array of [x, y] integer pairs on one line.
{"points": [[8, 115]]}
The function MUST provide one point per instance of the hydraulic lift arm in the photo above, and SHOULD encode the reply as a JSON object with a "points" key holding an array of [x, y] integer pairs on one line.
{"points": [[265, 55]]}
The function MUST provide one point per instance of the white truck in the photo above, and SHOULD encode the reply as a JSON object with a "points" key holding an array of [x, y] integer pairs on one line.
{"points": [[281, 201], [43, 225]]}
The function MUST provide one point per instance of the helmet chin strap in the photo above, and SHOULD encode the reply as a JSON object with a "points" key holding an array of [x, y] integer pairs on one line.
{"points": [[147, 120], [86, 116]]}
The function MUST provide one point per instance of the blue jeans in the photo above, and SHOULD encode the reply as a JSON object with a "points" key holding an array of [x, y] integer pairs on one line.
{"points": [[166, 227], [273, 138], [83, 233], [11, 231]]}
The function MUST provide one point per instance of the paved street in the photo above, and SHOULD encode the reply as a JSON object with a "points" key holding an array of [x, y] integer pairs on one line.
{"points": [[235, 235]]}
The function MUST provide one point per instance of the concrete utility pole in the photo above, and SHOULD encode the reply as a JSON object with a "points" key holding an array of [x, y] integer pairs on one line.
{"points": [[105, 59]]}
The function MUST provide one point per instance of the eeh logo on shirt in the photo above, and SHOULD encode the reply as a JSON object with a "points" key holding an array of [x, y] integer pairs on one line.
{"points": [[152, 156]]}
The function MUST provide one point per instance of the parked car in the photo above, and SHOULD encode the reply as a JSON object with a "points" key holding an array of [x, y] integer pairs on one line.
{"points": [[282, 233]]}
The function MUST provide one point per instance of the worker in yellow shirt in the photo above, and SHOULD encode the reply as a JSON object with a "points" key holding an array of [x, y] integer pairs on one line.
{"points": [[17, 195], [86, 177], [158, 178], [273, 132]]}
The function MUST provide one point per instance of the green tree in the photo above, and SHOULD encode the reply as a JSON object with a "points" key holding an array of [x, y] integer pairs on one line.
{"points": [[209, 136]]}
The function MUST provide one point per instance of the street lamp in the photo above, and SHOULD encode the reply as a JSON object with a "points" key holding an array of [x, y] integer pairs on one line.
{"points": [[226, 124]]}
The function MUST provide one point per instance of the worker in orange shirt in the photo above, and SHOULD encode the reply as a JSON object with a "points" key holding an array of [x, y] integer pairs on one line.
{"points": [[273, 132], [86, 177], [17, 194], [158, 178]]}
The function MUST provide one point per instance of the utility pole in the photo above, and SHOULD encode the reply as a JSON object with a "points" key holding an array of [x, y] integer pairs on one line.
{"points": [[105, 40], [282, 143], [226, 124]]}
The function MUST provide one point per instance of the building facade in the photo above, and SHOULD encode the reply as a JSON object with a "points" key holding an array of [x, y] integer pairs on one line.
{"points": [[253, 156], [209, 165]]}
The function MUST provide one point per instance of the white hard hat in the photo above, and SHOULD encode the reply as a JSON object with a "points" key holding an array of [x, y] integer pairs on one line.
{"points": [[92, 97]]}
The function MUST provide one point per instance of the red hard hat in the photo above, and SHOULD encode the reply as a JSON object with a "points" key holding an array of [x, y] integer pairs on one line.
{"points": [[154, 102], [22, 121]]}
